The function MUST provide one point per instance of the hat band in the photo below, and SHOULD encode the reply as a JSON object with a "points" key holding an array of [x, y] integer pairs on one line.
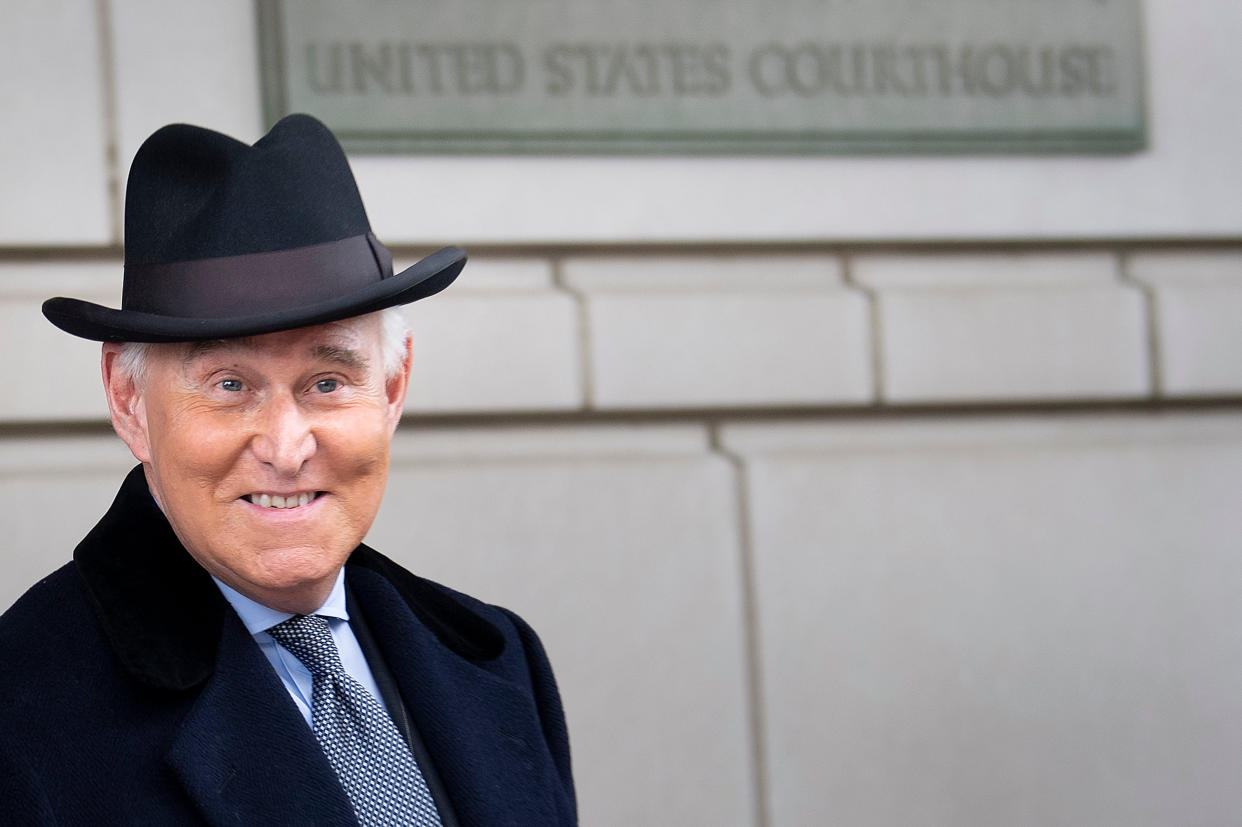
{"points": [[256, 283]]}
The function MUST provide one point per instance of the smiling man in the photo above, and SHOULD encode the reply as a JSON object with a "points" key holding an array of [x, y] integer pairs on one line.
{"points": [[267, 454], [223, 649]]}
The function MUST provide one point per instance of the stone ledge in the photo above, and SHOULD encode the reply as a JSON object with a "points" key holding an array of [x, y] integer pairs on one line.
{"points": [[495, 274], [984, 270], [526, 334], [778, 271], [1055, 432], [549, 442]]}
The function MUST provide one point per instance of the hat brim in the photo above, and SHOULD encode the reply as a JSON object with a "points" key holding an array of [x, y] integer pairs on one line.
{"points": [[105, 324]]}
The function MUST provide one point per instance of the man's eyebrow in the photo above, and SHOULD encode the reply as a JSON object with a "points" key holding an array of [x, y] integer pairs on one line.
{"points": [[338, 354], [197, 349], [344, 356]]}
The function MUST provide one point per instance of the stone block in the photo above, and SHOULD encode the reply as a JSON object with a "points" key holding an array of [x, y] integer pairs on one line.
{"points": [[52, 491], [1019, 621], [1218, 268], [1198, 304], [180, 61], [700, 272], [53, 144], [1200, 333], [734, 348], [703, 331], [1018, 343], [67, 384], [478, 350], [619, 545], [886, 272]]}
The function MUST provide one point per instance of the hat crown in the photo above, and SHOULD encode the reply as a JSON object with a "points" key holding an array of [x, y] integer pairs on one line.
{"points": [[194, 193], [223, 239]]}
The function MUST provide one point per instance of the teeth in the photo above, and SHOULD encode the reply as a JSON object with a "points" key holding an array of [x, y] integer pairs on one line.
{"points": [[278, 501]]}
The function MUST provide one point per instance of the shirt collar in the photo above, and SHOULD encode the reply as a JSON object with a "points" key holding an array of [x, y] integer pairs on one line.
{"points": [[259, 618]]}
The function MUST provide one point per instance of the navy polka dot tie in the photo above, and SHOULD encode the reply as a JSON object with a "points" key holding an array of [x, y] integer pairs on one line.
{"points": [[362, 743]]}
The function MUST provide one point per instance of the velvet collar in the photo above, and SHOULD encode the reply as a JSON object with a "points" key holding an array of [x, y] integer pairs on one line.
{"points": [[163, 615]]}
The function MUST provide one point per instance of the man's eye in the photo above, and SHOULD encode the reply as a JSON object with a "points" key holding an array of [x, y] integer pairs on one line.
{"points": [[231, 385], [327, 385]]}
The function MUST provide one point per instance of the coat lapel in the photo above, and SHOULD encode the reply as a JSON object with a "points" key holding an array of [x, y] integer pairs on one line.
{"points": [[243, 752], [481, 730]]}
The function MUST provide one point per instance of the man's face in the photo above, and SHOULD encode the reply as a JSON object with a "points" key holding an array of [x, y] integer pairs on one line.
{"points": [[269, 454]]}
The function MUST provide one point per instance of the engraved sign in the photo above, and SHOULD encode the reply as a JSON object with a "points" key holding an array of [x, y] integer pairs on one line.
{"points": [[710, 76]]}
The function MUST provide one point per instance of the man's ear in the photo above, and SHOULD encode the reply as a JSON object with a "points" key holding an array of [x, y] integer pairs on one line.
{"points": [[395, 387], [125, 404]]}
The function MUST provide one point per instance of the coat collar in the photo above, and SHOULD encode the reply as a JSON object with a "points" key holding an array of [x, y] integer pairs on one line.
{"points": [[162, 614], [483, 730], [242, 752]]}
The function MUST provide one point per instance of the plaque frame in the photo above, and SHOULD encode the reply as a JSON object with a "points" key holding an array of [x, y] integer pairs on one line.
{"points": [[500, 138]]}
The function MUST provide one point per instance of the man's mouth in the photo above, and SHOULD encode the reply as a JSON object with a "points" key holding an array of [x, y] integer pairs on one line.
{"points": [[282, 500]]}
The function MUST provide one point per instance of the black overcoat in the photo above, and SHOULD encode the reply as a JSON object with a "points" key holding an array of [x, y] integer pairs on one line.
{"points": [[131, 693]]}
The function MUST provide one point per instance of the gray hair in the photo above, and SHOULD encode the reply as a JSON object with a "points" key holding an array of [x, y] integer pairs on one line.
{"points": [[133, 357]]}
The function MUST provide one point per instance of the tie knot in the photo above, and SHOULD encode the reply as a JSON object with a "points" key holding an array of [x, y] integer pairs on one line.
{"points": [[309, 639]]}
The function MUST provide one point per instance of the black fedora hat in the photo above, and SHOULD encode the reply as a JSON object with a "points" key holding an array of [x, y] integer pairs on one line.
{"points": [[224, 240]]}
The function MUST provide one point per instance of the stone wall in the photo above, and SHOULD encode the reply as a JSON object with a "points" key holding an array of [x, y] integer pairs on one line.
{"points": [[864, 491]]}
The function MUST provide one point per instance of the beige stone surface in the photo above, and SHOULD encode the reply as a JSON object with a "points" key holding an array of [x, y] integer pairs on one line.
{"points": [[701, 272], [64, 381], [182, 61], [1016, 343], [619, 544], [953, 269], [988, 628], [490, 273], [52, 491], [1198, 315], [623, 555], [1200, 334], [1183, 184], [1207, 267], [495, 351], [419, 445], [53, 135], [729, 348]]}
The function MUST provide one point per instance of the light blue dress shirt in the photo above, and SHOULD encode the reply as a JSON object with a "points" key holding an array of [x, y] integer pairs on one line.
{"points": [[258, 618]]}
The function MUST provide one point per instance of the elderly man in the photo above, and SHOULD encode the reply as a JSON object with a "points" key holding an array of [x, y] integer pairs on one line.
{"points": [[223, 649]]}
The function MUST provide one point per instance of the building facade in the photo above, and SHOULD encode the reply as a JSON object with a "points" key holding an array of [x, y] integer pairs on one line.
{"points": [[861, 490]]}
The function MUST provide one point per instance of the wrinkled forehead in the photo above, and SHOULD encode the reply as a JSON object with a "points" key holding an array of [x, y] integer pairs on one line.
{"points": [[351, 342]]}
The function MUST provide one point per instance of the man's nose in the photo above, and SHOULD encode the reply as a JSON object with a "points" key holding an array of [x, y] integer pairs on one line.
{"points": [[284, 438]]}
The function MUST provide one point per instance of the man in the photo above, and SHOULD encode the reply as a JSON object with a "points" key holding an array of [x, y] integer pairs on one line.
{"points": [[223, 649]]}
